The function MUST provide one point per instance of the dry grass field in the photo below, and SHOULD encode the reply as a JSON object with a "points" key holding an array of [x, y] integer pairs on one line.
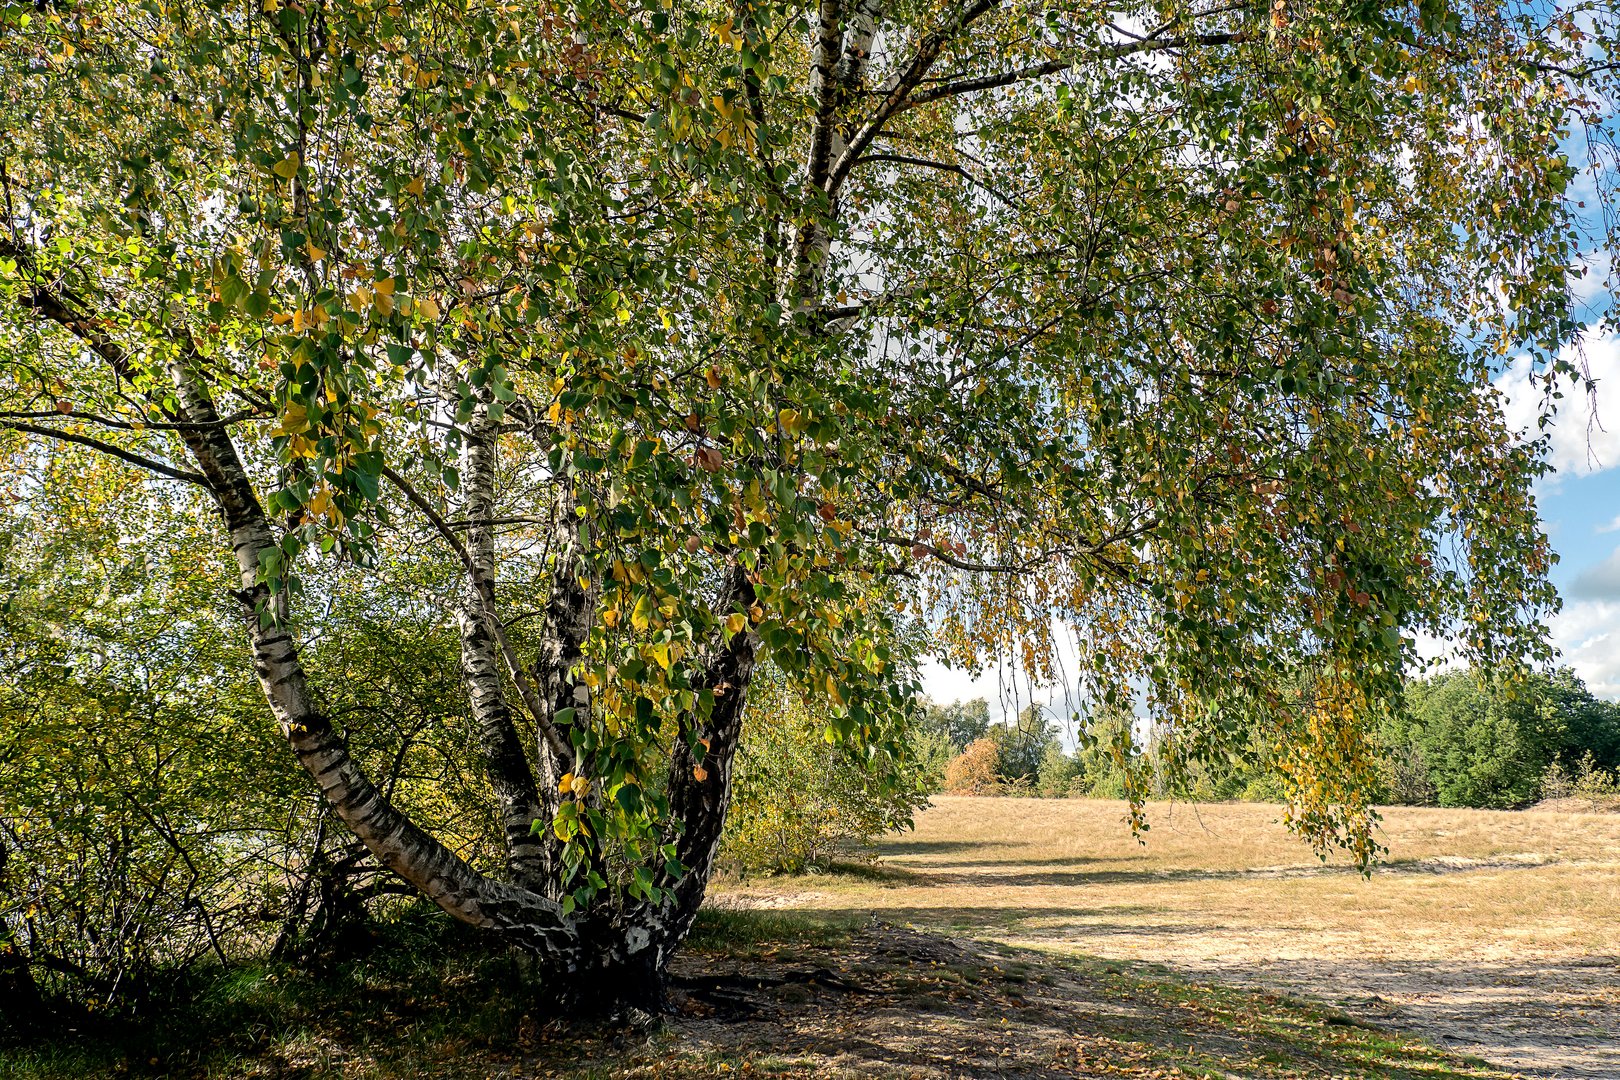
{"points": [[1492, 933]]}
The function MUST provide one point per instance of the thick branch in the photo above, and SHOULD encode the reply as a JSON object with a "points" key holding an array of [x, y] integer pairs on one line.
{"points": [[700, 766], [897, 89], [523, 813], [108, 448], [1052, 67]]}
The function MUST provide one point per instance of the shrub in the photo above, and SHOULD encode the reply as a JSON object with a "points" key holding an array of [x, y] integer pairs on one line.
{"points": [[149, 815], [1060, 773], [1594, 784], [975, 771], [798, 801]]}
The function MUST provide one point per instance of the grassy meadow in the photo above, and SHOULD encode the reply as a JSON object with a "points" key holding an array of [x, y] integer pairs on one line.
{"points": [[1490, 931]]}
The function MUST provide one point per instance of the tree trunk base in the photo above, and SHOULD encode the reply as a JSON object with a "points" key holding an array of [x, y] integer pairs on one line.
{"points": [[631, 992]]}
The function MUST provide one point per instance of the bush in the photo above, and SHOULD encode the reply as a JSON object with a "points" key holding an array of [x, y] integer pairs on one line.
{"points": [[150, 817], [1594, 784], [1060, 773], [798, 801], [975, 771]]}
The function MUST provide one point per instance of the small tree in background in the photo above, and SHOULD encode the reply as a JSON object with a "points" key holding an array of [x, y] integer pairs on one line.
{"points": [[975, 770], [1021, 747], [1060, 774], [958, 723]]}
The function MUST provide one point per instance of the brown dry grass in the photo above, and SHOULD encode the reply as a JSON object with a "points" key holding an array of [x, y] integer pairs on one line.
{"points": [[1493, 884], [1493, 930]]}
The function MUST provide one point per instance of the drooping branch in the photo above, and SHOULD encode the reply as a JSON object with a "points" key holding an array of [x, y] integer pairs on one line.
{"points": [[908, 93]]}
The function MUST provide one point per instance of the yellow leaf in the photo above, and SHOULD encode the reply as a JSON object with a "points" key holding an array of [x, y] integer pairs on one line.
{"points": [[316, 254], [566, 784], [428, 308], [383, 302], [416, 187], [699, 773], [287, 167], [386, 286], [660, 654], [642, 614], [736, 622]]}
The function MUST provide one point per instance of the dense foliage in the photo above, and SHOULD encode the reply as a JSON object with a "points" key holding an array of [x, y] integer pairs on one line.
{"points": [[150, 819], [802, 801], [689, 339], [1474, 744]]}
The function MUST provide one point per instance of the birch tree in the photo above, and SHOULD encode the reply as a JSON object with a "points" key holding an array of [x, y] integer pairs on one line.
{"points": [[702, 333]]}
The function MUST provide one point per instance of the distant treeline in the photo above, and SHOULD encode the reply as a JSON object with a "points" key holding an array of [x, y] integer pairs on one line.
{"points": [[1461, 741]]}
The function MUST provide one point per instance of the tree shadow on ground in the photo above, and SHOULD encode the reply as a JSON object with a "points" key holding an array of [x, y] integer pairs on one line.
{"points": [[908, 1003]]}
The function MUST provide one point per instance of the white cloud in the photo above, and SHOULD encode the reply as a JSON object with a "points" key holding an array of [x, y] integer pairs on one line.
{"points": [[1588, 634], [1613, 526], [1600, 581], [1585, 430]]}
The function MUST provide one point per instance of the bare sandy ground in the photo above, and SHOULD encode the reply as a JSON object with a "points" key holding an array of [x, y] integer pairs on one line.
{"points": [[1492, 934]]}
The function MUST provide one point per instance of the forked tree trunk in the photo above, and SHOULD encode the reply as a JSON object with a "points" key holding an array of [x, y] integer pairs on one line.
{"points": [[606, 957], [530, 853]]}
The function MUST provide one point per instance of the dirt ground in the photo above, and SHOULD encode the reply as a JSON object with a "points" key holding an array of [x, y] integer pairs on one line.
{"points": [[878, 1000], [1494, 934]]}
